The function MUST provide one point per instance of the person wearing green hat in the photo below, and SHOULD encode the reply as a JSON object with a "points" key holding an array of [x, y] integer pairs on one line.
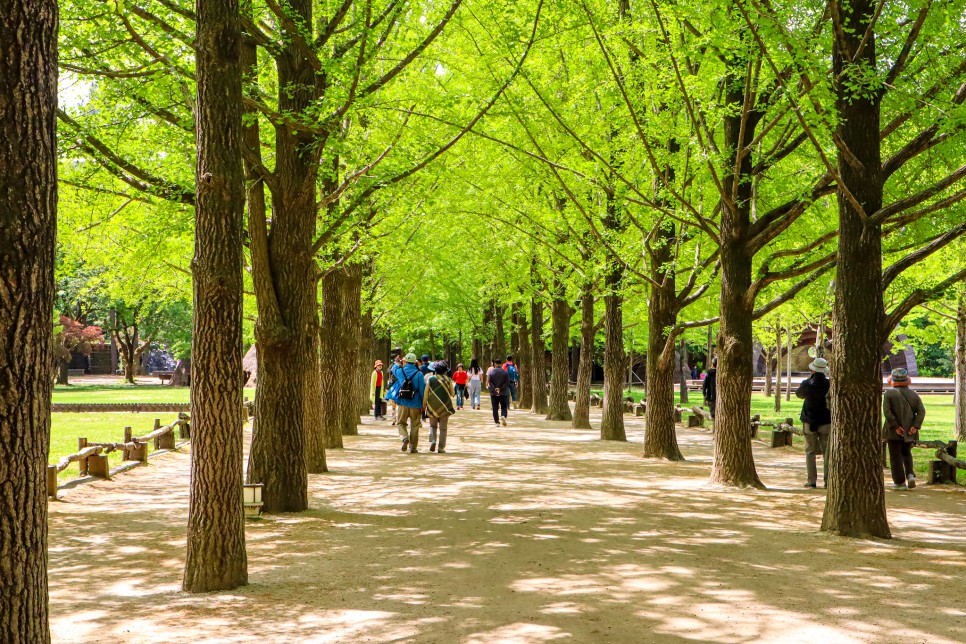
{"points": [[816, 420], [904, 413]]}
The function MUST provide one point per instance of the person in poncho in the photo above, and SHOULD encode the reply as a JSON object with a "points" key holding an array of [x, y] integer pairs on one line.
{"points": [[438, 405]]}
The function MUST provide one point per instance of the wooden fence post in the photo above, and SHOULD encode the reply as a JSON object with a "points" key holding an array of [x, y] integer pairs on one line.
{"points": [[157, 439], [52, 482], [98, 466], [82, 462]]}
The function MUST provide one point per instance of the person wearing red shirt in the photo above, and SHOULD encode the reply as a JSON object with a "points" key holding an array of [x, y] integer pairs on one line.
{"points": [[375, 389], [460, 378]]}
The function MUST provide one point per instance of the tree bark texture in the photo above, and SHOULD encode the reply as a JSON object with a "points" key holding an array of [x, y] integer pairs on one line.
{"points": [[560, 313], [216, 557], [285, 278], [585, 368], [524, 365], [855, 505], [499, 334], [366, 361], [683, 372], [315, 430], [778, 370], [767, 372], [734, 463], [660, 435], [351, 341], [615, 361], [28, 225], [538, 361], [333, 291], [960, 363]]}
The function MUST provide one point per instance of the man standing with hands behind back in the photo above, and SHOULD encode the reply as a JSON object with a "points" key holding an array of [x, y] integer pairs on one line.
{"points": [[816, 419]]}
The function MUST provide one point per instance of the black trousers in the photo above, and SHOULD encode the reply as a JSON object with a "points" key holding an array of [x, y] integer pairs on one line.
{"points": [[377, 405], [501, 405], [900, 460]]}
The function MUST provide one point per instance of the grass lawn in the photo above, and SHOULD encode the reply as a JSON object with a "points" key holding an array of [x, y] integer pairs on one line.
{"points": [[108, 427], [120, 394], [105, 427], [940, 423]]}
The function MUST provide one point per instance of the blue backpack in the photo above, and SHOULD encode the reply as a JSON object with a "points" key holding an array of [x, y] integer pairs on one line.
{"points": [[513, 373]]}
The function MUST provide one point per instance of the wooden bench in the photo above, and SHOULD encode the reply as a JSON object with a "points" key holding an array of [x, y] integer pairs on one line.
{"points": [[73, 373], [164, 375]]}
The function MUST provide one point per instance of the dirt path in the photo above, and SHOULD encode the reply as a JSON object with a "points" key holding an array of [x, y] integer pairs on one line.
{"points": [[534, 533]]}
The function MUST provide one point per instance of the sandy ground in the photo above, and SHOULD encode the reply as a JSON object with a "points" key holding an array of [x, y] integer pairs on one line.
{"points": [[534, 533]]}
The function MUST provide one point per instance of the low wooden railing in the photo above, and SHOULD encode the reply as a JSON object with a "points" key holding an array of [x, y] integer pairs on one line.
{"points": [[92, 456]]}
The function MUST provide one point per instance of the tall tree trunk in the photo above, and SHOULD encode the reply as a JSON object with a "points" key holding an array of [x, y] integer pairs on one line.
{"points": [[216, 558], [499, 334], [778, 370], [560, 314], [28, 229], [612, 419], [514, 331], [63, 372], [315, 429], [660, 437], [538, 361], [788, 366], [734, 463], [351, 345], [683, 372], [366, 362], [767, 372], [585, 368], [332, 359], [855, 505], [960, 363], [524, 365], [285, 276]]}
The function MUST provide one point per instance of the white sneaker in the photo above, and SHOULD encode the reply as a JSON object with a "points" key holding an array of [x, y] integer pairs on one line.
{"points": [[911, 481], [899, 487]]}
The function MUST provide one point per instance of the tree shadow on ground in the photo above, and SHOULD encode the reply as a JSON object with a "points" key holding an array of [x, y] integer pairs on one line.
{"points": [[535, 533]]}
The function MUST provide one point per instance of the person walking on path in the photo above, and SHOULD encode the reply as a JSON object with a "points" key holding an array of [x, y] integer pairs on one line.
{"points": [[376, 389], [514, 373], [438, 404], [409, 394], [816, 420], [498, 384], [710, 386], [460, 378], [475, 383], [391, 386], [904, 413]]}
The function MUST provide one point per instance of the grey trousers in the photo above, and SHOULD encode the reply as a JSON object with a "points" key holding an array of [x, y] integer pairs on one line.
{"points": [[440, 425], [816, 443]]}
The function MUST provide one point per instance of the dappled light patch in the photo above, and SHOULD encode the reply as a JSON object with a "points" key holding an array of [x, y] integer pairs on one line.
{"points": [[512, 538]]}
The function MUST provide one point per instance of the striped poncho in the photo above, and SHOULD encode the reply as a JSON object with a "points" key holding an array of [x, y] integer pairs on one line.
{"points": [[439, 396]]}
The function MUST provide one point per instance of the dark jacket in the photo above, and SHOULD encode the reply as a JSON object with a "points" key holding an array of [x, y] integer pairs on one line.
{"points": [[814, 392], [902, 407], [498, 382], [710, 385]]}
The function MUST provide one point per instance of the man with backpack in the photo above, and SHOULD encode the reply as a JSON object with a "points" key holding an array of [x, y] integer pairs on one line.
{"points": [[409, 394], [498, 382], [514, 374]]}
